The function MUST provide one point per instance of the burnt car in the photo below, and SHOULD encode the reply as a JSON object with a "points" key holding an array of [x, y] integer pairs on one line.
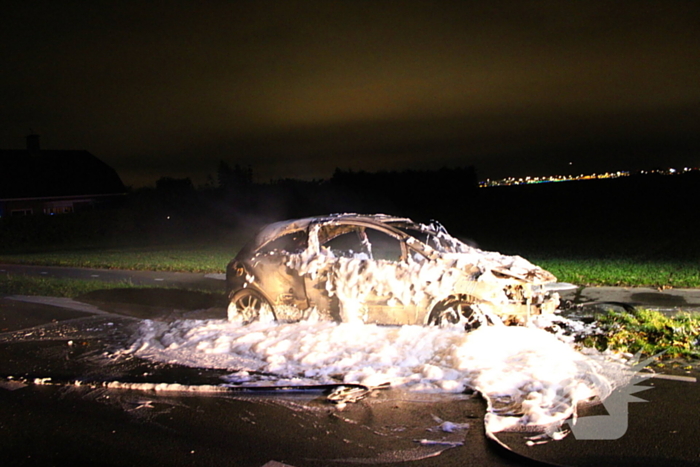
{"points": [[381, 269]]}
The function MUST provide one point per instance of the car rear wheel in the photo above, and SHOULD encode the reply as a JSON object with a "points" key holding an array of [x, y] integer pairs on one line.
{"points": [[454, 310], [248, 305]]}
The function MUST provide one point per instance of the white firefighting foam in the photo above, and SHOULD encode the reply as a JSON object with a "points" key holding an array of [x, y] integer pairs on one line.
{"points": [[354, 279], [419, 280], [530, 378]]}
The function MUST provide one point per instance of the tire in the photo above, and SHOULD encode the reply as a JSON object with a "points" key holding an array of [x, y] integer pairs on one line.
{"points": [[455, 310], [248, 305]]}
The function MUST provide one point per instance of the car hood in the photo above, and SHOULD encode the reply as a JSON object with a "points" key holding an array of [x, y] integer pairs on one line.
{"points": [[476, 262]]}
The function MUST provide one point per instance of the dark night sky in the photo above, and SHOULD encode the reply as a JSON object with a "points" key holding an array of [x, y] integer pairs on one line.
{"points": [[295, 89]]}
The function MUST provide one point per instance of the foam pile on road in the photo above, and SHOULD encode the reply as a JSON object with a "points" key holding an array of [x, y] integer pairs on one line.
{"points": [[530, 378]]}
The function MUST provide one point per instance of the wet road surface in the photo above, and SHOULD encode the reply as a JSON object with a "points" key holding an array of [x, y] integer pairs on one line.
{"points": [[58, 422]]}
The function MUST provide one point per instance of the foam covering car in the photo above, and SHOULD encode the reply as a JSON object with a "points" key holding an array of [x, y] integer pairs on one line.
{"points": [[384, 270]]}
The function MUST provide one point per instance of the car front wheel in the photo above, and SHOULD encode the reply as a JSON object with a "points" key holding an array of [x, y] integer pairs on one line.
{"points": [[454, 310], [248, 305]]}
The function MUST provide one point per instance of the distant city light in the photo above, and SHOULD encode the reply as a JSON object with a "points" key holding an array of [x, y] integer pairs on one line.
{"points": [[568, 178]]}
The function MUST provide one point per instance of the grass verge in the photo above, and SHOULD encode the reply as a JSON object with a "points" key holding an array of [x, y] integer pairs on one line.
{"points": [[213, 259], [624, 272], [649, 332], [183, 259]]}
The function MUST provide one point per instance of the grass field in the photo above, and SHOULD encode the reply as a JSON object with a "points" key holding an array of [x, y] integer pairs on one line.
{"points": [[624, 272], [213, 259], [204, 259]]}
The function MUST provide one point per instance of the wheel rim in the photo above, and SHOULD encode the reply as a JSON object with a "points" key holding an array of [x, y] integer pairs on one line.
{"points": [[471, 317], [248, 307], [448, 315], [455, 311]]}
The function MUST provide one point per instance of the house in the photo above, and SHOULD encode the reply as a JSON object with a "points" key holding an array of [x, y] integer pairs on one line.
{"points": [[36, 181]]}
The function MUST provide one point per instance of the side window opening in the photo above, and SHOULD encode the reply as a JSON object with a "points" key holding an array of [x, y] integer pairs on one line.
{"points": [[293, 242], [429, 239], [349, 245], [384, 246]]}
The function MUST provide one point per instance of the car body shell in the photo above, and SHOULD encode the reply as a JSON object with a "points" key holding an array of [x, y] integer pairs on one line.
{"points": [[382, 269]]}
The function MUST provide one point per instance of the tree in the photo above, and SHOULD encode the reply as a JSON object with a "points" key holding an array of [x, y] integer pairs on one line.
{"points": [[234, 179]]}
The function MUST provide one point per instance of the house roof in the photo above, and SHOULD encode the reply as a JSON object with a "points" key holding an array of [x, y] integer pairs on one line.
{"points": [[55, 173]]}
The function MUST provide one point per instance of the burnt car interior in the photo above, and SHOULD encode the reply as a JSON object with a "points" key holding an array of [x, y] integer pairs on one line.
{"points": [[294, 242], [430, 235], [361, 243]]}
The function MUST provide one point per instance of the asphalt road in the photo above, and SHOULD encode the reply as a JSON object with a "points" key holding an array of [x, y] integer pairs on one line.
{"points": [[56, 422]]}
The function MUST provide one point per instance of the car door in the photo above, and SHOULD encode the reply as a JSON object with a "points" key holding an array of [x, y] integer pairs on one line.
{"points": [[337, 245], [368, 265], [282, 284], [391, 300]]}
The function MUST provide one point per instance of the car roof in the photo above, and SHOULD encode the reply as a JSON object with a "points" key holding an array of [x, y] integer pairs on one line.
{"points": [[278, 229]]}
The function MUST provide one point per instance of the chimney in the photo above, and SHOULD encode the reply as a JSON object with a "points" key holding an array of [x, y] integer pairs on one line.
{"points": [[33, 143]]}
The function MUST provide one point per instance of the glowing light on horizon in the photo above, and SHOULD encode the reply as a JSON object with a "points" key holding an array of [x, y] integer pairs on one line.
{"points": [[509, 181]]}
